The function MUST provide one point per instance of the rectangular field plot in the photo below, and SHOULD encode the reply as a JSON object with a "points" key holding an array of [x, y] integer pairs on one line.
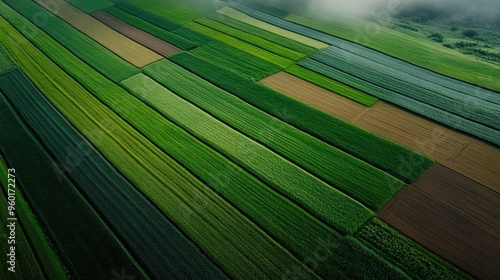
{"points": [[237, 15], [455, 217], [143, 38], [124, 47], [314, 96]]}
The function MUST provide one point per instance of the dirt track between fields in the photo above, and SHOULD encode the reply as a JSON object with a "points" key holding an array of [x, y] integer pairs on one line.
{"points": [[453, 216], [473, 158], [124, 47], [141, 37]]}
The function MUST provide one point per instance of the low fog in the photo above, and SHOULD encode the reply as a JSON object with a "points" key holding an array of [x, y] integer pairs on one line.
{"points": [[457, 10]]}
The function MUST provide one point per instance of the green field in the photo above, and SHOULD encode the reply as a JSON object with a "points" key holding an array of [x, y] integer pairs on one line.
{"points": [[420, 52], [90, 6], [191, 167], [252, 39], [26, 263], [156, 175], [82, 46], [273, 37], [332, 85]]}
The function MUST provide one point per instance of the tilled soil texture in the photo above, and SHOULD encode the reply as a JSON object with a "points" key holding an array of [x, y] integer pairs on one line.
{"points": [[124, 47], [453, 216], [143, 38], [472, 158], [315, 96]]}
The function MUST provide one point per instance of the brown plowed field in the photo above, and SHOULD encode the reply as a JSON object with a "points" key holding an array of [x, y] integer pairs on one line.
{"points": [[453, 216], [143, 38], [314, 96], [412, 131], [479, 161], [122, 46], [473, 158]]}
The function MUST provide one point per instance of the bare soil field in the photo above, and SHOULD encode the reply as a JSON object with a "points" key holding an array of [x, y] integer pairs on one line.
{"points": [[480, 161], [124, 47], [143, 38], [314, 96], [470, 157], [412, 131], [453, 216]]}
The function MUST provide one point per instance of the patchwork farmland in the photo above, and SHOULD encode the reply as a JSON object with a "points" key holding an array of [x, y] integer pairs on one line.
{"points": [[169, 139]]}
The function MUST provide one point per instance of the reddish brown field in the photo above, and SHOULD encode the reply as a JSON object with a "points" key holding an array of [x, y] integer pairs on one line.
{"points": [[122, 46], [314, 96], [143, 38], [453, 216]]}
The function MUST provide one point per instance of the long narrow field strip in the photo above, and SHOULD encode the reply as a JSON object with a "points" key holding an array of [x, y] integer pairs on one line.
{"points": [[463, 105], [366, 146], [427, 77], [470, 157], [248, 251], [402, 46], [6, 64], [50, 262], [89, 6], [157, 245], [320, 159], [440, 215], [124, 47], [314, 96], [237, 15], [82, 46], [341, 212], [412, 131], [456, 191], [151, 42], [411, 257], [152, 29], [276, 215], [413, 105], [252, 39], [282, 219], [272, 37], [79, 241], [473, 158], [193, 36], [235, 60], [26, 265], [331, 85], [478, 161], [241, 45], [152, 18], [174, 10]]}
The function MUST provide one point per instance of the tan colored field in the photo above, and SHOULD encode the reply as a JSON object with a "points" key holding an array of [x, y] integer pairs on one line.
{"points": [[119, 44], [479, 161], [141, 37], [233, 13], [453, 216], [314, 96], [475, 159]]}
